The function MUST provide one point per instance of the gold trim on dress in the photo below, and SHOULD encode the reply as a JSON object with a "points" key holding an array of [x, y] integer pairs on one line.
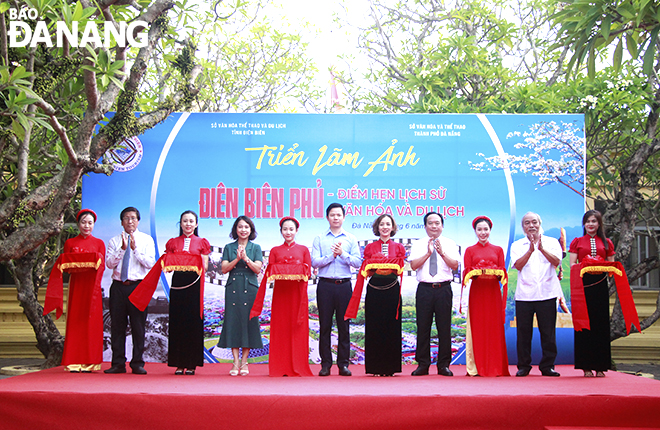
{"points": [[372, 266], [83, 265], [478, 272], [599, 269], [181, 269], [287, 277]]}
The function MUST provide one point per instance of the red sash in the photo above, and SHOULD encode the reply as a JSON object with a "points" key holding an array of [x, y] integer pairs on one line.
{"points": [[168, 262], [579, 303], [378, 262], [283, 272], [74, 263], [483, 268]]}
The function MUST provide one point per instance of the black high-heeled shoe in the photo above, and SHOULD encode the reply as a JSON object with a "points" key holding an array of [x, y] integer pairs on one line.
{"points": [[179, 371], [190, 372]]}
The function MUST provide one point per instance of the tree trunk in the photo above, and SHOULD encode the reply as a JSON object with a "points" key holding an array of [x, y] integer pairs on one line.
{"points": [[49, 340], [628, 206]]}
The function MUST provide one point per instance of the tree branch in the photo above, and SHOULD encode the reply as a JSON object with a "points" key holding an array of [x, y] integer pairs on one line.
{"points": [[59, 129]]}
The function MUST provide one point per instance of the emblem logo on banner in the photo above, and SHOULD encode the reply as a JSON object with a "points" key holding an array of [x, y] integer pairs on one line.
{"points": [[127, 155]]}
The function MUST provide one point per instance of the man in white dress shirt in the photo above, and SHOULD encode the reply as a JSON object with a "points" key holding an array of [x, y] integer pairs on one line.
{"points": [[433, 257], [130, 255], [536, 258]]}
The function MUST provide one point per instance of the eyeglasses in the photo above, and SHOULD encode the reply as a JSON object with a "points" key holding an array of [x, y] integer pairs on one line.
{"points": [[130, 218]]}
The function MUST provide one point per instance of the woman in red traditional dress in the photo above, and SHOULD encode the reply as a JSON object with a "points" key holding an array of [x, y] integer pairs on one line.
{"points": [[289, 264], [485, 344], [186, 326], [592, 346], [382, 303], [83, 342]]}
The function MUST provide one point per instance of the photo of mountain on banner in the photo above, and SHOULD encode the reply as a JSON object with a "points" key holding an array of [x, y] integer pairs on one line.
{"points": [[372, 165]]}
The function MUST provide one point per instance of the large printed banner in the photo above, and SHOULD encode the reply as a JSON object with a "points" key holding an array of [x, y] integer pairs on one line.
{"points": [[267, 166]]}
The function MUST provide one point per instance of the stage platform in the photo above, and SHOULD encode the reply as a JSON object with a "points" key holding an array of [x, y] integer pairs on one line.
{"points": [[53, 399]]}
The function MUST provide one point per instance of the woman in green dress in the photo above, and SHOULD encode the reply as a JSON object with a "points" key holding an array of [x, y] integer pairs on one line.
{"points": [[243, 260]]}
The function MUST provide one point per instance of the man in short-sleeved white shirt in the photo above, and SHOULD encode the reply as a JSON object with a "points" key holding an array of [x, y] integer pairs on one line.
{"points": [[433, 257], [536, 258]]}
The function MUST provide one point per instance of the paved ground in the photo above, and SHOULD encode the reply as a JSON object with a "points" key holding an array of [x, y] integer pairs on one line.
{"points": [[641, 369], [11, 362]]}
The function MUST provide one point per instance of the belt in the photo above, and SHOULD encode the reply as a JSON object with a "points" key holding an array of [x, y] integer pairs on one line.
{"points": [[435, 284], [129, 282], [335, 281]]}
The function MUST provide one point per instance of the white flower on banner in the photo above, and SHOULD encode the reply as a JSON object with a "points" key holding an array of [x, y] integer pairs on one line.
{"points": [[554, 154]]}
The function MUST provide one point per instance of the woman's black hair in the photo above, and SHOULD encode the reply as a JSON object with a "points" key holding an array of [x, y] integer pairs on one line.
{"points": [[234, 228], [196, 220], [601, 231]]}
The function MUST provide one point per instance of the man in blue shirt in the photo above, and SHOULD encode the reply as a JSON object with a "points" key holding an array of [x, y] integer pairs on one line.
{"points": [[333, 254]]}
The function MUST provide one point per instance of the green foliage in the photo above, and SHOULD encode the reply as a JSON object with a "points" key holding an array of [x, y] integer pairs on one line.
{"points": [[185, 61], [105, 69], [456, 57], [15, 96], [44, 81], [262, 68], [124, 123], [590, 26]]}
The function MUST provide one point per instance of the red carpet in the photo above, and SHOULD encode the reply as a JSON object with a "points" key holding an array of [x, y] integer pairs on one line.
{"points": [[54, 399]]}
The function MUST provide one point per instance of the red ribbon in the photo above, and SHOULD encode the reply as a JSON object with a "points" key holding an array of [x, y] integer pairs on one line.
{"points": [[70, 262], [168, 262], [285, 272], [483, 268], [579, 303], [377, 262]]}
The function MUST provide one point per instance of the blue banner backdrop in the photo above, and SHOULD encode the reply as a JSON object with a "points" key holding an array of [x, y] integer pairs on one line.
{"points": [[268, 166]]}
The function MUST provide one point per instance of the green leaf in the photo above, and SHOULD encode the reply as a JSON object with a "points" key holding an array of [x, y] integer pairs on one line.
{"points": [[91, 69], [117, 82], [626, 10], [66, 13], [642, 12], [93, 57], [77, 12], [618, 55], [4, 75], [649, 55], [4, 7], [115, 66], [18, 130], [631, 45], [25, 122], [42, 123], [591, 64], [103, 60], [18, 73], [605, 26]]}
